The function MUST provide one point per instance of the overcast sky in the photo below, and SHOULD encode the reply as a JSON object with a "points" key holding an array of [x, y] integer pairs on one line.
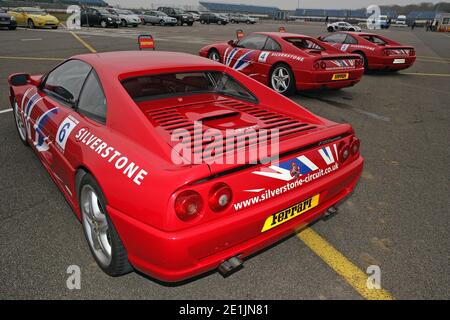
{"points": [[282, 4]]}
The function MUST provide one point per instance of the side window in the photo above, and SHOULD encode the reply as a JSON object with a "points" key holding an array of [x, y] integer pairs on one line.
{"points": [[256, 41], [272, 45], [66, 81], [92, 101], [351, 40], [335, 38]]}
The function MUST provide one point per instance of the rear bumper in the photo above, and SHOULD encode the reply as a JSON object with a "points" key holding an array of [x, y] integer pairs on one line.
{"points": [[387, 63], [175, 256], [307, 80]]}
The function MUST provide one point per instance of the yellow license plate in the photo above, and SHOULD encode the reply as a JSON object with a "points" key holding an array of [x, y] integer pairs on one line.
{"points": [[290, 213], [340, 76]]}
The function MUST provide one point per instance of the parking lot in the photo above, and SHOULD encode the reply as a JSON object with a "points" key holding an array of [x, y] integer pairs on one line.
{"points": [[396, 219]]}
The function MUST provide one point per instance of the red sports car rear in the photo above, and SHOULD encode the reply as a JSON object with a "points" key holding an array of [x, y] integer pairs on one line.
{"points": [[193, 165]]}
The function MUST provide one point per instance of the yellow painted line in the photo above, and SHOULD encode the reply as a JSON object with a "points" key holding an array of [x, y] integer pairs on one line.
{"points": [[354, 276], [427, 74], [30, 58], [84, 43]]}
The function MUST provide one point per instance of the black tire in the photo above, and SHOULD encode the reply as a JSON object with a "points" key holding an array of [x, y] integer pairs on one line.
{"points": [[103, 24], [248, 22], [55, 27], [135, 25], [202, 21], [232, 21], [162, 22], [31, 24], [330, 29], [212, 53], [291, 87], [179, 23], [351, 30], [12, 28], [124, 23], [190, 24], [363, 56], [22, 136], [119, 264]]}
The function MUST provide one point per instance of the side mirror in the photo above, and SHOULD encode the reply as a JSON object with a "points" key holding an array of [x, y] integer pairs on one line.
{"points": [[19, 79], [232, 43]]}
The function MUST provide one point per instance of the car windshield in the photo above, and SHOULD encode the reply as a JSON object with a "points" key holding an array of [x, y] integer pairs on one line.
{"points": [[178, 11], [34, 11], [104, 11], [304, 44], [178, 84], [124, 11], [160, 14], [374, 39]]}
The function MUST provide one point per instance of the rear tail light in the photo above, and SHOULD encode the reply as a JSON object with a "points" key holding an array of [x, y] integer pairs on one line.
{"points": [[343, 152], [354, 146], [323, 65], [188, 205], [316, 65], [219, 197], [412, 52], [386, 52]]}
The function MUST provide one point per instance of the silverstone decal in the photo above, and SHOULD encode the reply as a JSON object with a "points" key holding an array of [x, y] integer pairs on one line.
{"points": [[295, 172], [263, 56], [112, 156], [41, 139], [65, 129], [288, 56]]}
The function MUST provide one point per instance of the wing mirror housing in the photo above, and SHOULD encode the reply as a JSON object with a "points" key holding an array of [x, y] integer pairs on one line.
{"points": [[23, 79], [232, 43]]}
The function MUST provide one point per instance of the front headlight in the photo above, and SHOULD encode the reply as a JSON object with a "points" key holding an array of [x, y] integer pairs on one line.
{"points": [[109, 19]]}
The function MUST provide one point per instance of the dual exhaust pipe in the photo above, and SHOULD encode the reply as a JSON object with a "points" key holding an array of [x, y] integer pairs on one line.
{"points": [[235, 263]]}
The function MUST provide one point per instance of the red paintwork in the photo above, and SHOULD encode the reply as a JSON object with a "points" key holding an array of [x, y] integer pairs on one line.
{"points": [[306, 76], [157, 242], [376, 59]]}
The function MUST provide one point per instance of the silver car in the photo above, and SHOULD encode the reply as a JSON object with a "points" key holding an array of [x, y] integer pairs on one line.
{"points": [[342, 26], [157, 17]]}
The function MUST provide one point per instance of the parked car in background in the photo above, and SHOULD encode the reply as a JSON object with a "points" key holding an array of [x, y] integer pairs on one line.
{"points": [[195, 15], [127, 17], [241, 18], [213, 18], [157, 17], [34, 18], [378, 52], [7, 21], [182, 16], [99, 17], [342, 26]]}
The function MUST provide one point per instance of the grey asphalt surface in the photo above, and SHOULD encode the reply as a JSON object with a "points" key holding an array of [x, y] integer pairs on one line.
{"points": [[397, 217]]}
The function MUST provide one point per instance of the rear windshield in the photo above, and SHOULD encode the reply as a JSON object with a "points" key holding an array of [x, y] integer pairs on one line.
{"points": [[374, 39], [304, 44], [178, 84]]}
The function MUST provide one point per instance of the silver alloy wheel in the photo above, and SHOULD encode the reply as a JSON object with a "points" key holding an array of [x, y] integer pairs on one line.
{"points": [[280, 79], [19, 123], [95, 225], [214, 55], [103, 24]]}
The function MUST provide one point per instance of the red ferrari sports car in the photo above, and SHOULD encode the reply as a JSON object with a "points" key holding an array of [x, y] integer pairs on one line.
{"points": [[377, 52], [288, 61], [107, 128]]}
